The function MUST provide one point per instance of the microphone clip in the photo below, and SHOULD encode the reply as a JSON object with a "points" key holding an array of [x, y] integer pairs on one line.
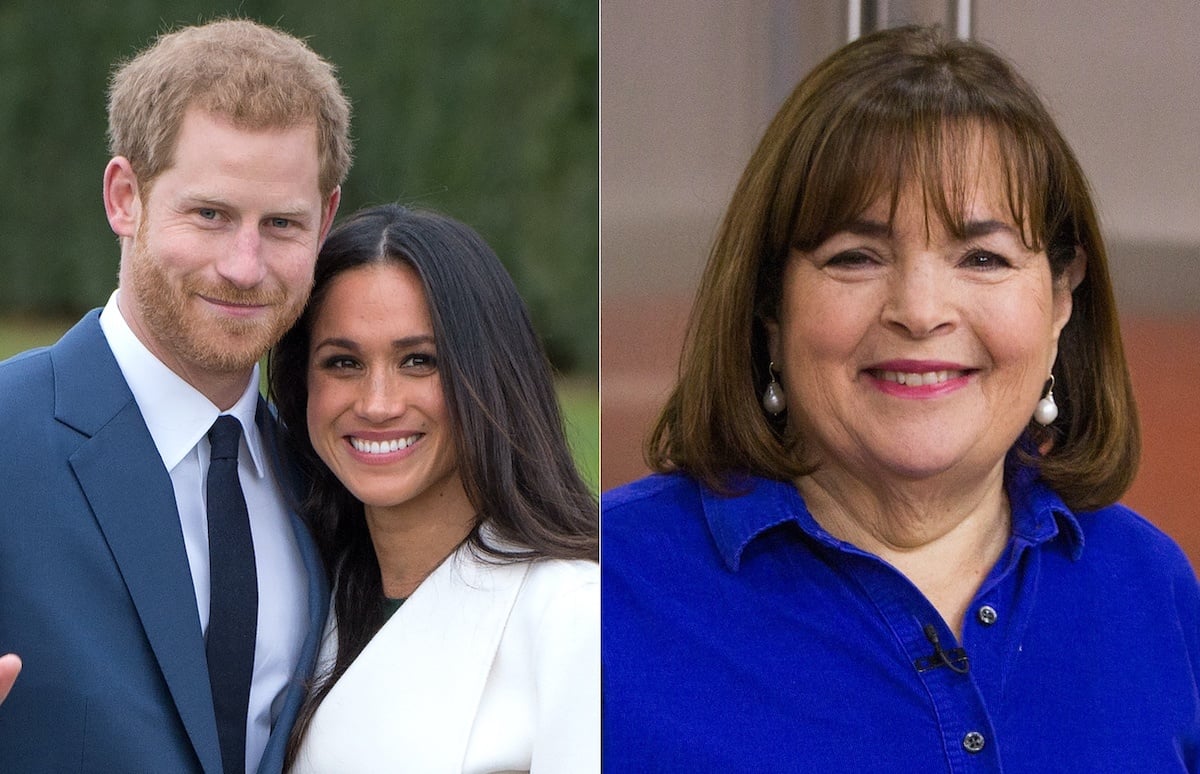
{"points": [[956, 659]]}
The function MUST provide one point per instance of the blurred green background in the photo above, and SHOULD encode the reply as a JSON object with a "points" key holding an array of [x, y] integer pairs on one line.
{"points": [[484, 110]]}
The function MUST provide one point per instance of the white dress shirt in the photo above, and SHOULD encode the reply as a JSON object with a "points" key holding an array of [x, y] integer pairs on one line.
{"points": [[179, 417]]}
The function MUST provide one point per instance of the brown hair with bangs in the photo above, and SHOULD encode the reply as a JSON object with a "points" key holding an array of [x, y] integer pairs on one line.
{"points": [[896, 106], [255, 76]]}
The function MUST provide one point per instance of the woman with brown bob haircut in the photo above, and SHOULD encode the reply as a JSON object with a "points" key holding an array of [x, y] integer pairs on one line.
{"points": [[882, 535]]}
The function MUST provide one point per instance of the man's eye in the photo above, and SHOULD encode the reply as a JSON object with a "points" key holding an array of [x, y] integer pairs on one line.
{"points": [[207, 213]]}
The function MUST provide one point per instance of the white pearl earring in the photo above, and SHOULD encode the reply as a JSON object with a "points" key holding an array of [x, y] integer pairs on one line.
{"points": [[773, 401], [1047, 410]]}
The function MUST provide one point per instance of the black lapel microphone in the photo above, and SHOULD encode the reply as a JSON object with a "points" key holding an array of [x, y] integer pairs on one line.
{"points": [[956, 659]]}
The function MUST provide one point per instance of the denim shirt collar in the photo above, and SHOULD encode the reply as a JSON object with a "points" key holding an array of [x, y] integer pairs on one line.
{"points": [[760, 504]]}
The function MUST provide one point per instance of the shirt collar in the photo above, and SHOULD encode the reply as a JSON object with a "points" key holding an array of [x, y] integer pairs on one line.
{"points": [[759, 504], [176, 413], [1039, 514], [754, 506]]}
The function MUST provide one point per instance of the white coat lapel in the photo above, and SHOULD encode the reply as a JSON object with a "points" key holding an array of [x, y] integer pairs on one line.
{"points": [[415, 689]]}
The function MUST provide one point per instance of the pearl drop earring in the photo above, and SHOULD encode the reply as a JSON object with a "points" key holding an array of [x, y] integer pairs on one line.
{"points": [[773, 401], [1047, 410]]}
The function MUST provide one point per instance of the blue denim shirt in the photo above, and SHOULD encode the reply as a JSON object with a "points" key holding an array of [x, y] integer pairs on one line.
{"points": [[739, 636]]}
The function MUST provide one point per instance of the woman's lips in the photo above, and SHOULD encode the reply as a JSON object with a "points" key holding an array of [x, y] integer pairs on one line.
{"points": [[915, 379]]}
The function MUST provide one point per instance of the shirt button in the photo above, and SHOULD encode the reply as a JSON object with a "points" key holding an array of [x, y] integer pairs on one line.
{"points": [[973, 742], [987, 615]]}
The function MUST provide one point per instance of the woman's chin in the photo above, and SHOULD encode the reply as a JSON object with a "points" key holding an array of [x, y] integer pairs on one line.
{"points": [[919, 461]]}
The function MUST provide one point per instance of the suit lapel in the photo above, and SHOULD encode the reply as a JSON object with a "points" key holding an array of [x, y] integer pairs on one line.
{"points": [[130, 492]]}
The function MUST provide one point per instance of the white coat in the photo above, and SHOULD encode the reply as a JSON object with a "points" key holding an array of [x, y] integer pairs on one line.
{"points": [[486, 668]]}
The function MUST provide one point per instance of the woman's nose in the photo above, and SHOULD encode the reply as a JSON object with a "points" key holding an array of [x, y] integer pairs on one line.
{"points": [[380, 398], [920, 299]]}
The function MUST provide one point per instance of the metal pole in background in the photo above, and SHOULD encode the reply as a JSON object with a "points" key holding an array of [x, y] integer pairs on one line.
{"points": [[865, 16], [962, 19], [853, 20]]}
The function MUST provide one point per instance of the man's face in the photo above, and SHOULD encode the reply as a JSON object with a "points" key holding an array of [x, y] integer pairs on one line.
{"points": [[222, 259]]}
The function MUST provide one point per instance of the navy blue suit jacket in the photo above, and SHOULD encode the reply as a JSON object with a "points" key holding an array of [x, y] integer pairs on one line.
{"points": [[95, 591]]}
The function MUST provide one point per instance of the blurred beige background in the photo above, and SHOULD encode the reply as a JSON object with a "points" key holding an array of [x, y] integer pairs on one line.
{"points": [[687, 88]]}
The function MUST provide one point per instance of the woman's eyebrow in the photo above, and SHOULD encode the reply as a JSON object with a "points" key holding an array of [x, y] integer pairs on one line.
{"points": [[973, 229], [867, 228]]}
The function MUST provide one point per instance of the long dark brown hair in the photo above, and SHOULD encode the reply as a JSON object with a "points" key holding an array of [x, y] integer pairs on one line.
{"points": [[498, 387], [899, 105]]}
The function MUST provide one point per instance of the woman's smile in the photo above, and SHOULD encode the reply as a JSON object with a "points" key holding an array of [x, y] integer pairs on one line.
{"points": [[915, 379], [377, 448]]}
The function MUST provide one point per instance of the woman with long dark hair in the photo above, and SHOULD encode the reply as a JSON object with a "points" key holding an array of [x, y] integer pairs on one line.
{"points": [[460, 538]]}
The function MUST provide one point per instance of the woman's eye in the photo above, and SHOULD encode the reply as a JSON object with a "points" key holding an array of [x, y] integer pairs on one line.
{"points": [[983, 259], [339, 363], [419, 361], [850, 259]]}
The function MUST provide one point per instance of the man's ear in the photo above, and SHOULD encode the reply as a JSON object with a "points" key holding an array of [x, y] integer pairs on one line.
{"points": [[122, 197], [331, 208]]}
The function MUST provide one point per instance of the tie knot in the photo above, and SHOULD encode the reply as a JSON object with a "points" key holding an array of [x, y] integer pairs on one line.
{"points": [[224, 436]]}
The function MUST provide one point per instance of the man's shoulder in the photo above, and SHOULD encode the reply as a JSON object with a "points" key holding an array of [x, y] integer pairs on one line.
{"points": [[85, 334], [25, 378], [24, 363], [32, 378]]}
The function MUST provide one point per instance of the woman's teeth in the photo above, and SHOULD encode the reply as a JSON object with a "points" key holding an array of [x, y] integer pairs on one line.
{"points": [[383, 447], [915, 379]]}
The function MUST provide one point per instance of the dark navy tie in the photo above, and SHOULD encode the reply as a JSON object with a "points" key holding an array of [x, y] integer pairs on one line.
{"points": [[233, 585]]}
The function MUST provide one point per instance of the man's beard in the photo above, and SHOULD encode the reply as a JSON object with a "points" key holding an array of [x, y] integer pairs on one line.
{"points": [[220, 344]]}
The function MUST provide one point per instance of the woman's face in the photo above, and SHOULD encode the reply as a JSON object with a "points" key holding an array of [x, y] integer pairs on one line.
{"points": [[376, 412], [906, 353]]}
